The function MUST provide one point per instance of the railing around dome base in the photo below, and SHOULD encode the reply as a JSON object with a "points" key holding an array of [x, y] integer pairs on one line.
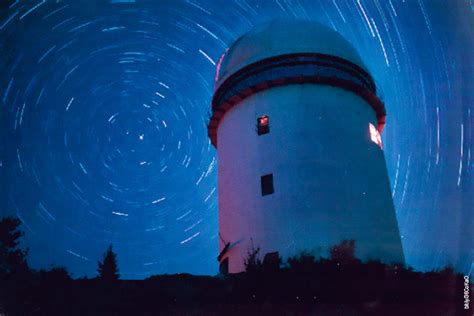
{"points": [[299, 68]]}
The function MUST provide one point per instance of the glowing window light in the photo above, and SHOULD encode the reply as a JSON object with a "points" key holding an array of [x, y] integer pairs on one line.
{"points": [[263, 125], [263, 120], [375, 135]]}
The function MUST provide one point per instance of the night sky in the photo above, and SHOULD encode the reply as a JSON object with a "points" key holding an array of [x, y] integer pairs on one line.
{"points": [[103, 112]]}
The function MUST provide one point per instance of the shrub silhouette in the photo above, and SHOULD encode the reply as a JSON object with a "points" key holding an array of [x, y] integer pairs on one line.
{"points": [[305, 261], [343, 252], [252, 263]]}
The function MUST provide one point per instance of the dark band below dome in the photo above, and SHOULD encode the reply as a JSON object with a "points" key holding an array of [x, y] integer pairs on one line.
{"points": [[289, 69]]}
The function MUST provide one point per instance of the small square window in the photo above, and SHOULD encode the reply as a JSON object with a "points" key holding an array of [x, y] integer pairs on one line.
{"points": [[263, 125], [267, 184]]}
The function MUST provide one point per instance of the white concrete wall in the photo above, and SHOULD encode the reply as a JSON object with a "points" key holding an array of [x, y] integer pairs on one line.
{"points": [[330, 179]]}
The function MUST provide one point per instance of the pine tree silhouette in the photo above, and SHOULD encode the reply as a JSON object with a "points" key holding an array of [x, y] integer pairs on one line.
{"points": [[108, 269]]}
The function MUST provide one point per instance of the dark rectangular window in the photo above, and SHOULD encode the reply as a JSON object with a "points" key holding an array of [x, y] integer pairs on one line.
{"points": [[263, 125], [267, 184]]}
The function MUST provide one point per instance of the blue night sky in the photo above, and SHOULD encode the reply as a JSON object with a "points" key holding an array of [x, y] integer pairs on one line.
{"points": [[103, 111]]}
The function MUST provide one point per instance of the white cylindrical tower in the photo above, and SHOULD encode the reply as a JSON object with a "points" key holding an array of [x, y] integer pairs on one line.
{"points": [[296, 122]]}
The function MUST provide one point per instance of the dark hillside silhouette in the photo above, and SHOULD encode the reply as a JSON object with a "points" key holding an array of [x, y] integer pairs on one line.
{"points": [[302, 285]]}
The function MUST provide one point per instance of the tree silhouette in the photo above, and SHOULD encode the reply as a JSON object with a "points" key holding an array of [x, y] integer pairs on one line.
{"points": [[343, 252], [252, 262], [12, 257], [108, 269]]}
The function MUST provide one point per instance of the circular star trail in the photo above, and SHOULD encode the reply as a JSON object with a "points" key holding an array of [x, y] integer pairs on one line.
{"points": [[104, 107]]}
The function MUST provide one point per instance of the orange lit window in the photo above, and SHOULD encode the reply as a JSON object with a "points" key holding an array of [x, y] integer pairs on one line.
{"points": [[263, 125], [375, 135]]}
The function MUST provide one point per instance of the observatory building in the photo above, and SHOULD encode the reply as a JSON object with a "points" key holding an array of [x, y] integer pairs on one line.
{"points": [[296, 123]]}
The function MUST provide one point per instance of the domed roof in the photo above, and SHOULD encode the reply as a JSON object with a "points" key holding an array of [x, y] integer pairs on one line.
{"points": [[284, 36]]}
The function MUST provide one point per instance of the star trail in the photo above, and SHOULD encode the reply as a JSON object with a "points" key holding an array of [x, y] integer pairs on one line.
{"points": [[104, 111]]}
